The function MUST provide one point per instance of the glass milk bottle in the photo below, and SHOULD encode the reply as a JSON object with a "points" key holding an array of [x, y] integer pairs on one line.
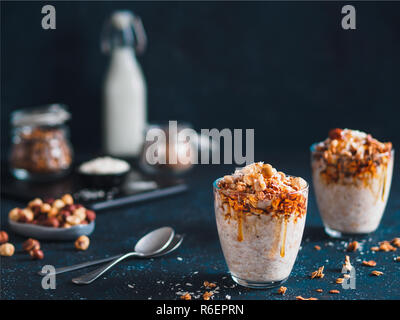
{"points": [[124, 92]]}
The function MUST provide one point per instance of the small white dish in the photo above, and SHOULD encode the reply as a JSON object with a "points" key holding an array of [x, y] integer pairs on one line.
{"points": [[49, 233]]}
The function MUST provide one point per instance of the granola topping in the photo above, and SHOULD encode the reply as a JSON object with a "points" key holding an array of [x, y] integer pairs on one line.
{"points": [[260, 189], [347, 155]]}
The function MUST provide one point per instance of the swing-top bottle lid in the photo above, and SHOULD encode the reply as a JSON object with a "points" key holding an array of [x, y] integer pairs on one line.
{"points": [[123, 29]]}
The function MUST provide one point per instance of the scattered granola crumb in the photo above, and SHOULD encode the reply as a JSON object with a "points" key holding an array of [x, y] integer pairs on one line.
{"points": [[301, 298], [334, 291], [353, 246], [370, 263], [319, 290], [186, 296], [347, 265], [207, 295], [397, 259], [376, 273], [386, 246], [282, 290], [209, 285], [339, 280], [317, 247], [318, 273], [375, 249], [396, 242]]}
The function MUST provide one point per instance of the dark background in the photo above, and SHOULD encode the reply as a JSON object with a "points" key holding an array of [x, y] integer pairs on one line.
{"points": [[288, 70]]}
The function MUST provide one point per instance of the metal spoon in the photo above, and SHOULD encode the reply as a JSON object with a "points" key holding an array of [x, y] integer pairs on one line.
{"points": [[175, 243], [150, 245]]}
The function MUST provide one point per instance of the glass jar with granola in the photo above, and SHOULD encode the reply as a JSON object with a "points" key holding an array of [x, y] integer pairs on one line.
{"points": [[260, 215], [40, 149], [352, 174]]}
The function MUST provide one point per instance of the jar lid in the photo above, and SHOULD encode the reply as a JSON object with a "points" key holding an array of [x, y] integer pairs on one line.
{"points": [[48, 115]]}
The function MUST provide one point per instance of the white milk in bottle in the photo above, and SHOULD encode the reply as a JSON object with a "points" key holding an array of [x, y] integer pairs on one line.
{"points": [[124, 92]]}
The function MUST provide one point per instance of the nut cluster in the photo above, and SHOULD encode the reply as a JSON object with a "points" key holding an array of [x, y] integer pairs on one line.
{"points": [[350, 153], [55, 213], [32, 246]]}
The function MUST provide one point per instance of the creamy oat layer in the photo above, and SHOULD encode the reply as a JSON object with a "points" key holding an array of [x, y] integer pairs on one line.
{"points": [[260, 217], [352, 175]]}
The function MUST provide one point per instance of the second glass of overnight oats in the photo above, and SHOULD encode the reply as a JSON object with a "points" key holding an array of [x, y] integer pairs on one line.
{"points": [[260, 216], [352, 174]]}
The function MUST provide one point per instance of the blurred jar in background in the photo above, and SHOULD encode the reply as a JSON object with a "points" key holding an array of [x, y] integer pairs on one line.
{"points": [[40, 149], [124, 92], [177, 153]]}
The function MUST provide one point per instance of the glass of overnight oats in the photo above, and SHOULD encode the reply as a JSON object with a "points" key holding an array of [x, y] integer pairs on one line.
{"points": [[260, 216], [352, 174]]}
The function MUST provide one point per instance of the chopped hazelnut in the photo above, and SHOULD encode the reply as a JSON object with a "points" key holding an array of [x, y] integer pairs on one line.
{"points": [[186, 296], [26, 215], [209, 284], [334, 291], [353, 246], [30, 244], [282, 290], [73, 220], [376, 273], [3, 237], [45, 208], [35, 202], [207, 295], [36, 254], [339, 280], [80, 213], [67, 199], [318, 274], [14, 214], [58, 204], [82, 243], [396, 242], [267, 171], [7, 249], [52, 213]]}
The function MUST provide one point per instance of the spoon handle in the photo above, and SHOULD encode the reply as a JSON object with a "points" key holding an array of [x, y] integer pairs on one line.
{"points": [[80, 265], [91, 276]]}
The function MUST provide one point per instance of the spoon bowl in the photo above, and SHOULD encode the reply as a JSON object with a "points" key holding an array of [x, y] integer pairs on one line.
{"points": [[155, 241]]}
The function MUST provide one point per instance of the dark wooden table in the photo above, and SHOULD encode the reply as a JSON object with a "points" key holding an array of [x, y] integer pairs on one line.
{"points": [[200, 257]]}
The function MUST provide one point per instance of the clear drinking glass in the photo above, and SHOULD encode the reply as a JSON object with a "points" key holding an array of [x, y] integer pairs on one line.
{"points": [[259, 246], [351, 205]]}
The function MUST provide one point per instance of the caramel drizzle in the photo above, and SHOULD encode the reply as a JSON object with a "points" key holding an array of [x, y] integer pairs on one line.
{"points": [[240, 227]]}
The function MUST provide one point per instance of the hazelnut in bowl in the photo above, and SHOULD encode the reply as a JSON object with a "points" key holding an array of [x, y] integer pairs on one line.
{"points": [[104, 172], [52, 219]]}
